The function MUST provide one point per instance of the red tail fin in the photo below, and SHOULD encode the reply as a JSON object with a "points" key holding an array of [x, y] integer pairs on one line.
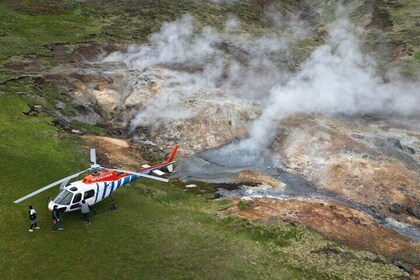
{"points": [[171, 158]]}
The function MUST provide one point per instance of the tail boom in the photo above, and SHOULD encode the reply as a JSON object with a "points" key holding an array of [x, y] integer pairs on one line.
{"points": [[172, 156], [168, 164]]}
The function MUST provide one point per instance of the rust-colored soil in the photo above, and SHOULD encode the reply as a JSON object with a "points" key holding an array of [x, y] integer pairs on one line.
{"points": [[113, 152], [335, 222]]}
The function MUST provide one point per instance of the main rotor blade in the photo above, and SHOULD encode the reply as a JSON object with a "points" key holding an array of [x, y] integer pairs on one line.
{"points": [[50, 186], [141, 175], [93, 156]]}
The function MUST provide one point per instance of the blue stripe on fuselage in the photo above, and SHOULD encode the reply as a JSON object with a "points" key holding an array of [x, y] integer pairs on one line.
{"points": [[123, 181], [97, 192], [126, 180], [133, 177], [112, 187], [105, 187]]}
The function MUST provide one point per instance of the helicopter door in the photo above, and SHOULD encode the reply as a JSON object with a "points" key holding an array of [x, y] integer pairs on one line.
{"points": [[89, 196], [76, 201]]}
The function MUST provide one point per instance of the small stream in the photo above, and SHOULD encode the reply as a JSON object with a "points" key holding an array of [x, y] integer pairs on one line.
{"points": [[219, 167]]}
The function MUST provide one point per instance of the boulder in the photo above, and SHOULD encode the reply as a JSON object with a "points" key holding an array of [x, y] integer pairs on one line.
{"points": [[397, 208], [404, 266], [415, 211], [395, 142]]}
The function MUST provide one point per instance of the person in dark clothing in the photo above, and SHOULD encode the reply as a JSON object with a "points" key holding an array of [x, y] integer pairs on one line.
{"points": [[56, 218], [32, 218], [85, 212]]}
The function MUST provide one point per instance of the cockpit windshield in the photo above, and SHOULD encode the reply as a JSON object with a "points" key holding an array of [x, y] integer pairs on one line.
{"points": [[64, 198]]}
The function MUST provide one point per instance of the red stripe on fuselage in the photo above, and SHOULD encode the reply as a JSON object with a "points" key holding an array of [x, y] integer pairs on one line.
{"points": [[110, 175], [103, 176]]}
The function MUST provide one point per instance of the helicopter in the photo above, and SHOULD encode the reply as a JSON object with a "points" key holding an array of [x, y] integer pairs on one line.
{"points": [[100, 184]]}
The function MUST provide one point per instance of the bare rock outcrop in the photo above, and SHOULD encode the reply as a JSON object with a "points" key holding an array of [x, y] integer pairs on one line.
{"points": [[346, 160], [168, 110]]}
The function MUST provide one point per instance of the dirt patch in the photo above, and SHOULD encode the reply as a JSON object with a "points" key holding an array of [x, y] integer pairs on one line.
{"points": [[27, 65], [81, 52], [372, 182], [335, 222], [91, 52], [380, 19], [115, 153]]}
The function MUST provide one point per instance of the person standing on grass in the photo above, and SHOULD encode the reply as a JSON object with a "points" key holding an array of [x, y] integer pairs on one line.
{"points": [[85, 212], [32, 217], [56, 218]]}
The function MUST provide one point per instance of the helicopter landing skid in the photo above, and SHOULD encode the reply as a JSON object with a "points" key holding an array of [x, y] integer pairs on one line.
{"points": [[112, 207]]}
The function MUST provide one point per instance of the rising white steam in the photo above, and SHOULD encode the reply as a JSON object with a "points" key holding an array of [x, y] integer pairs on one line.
{"points": [[236, 62], [176, 43], [337, 77]]}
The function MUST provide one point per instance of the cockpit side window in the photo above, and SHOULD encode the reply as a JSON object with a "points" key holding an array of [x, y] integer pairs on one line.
{"points": [[77, 197], [64, 198], [89, 194]]}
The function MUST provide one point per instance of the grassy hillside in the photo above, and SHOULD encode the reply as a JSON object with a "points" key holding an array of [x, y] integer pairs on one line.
{"points": [[158, 231], [25, 34]]}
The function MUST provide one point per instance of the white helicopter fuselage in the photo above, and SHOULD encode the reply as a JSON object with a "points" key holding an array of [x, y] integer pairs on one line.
{"points": [[94, 191], [99, 185]]}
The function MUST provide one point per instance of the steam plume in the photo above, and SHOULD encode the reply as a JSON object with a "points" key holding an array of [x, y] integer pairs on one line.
{"points": [[337, 77]]}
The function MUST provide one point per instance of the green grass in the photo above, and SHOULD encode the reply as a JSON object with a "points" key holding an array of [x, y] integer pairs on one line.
{"points": [[243, 205], [133, 21], [417, 56], [25, 34], [23, 141], [38, 92], [404, 18], [87, 128]]}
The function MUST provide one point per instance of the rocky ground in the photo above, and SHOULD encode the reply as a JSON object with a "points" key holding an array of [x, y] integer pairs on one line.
{"points": [[368, 161]]}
